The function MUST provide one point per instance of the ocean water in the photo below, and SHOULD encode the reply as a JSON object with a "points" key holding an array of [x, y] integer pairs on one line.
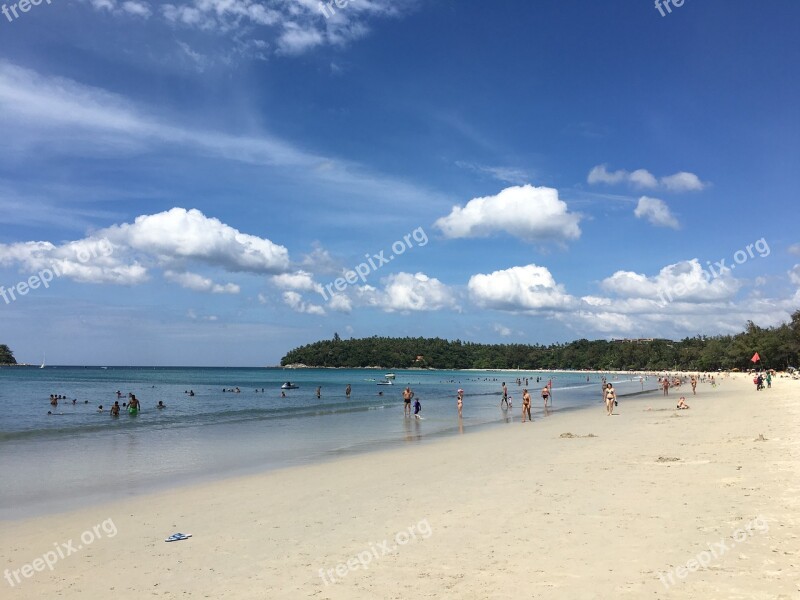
{"points": [[79, 455]]}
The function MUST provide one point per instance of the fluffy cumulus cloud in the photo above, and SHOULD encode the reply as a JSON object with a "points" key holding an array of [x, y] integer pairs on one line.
{"points": [[301, 281], [528, 288], [171, 240], [188, 234], [91, 260], [686, 281], [656, 212], [407, 292], [295, 301], [681, 299], [534, 214], [643, 179]]}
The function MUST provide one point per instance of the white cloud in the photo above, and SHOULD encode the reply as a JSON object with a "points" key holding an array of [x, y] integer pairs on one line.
{"points": [[404, 292], [340, 303], [794, 275], [123, 253], [295, 301], [296, 26], [501, 329], [138, 9], [794, 249], [198, 283], [685, 281], [643, 179], [683, 182], [600, 174], [528, 288], [656, 212], [299, 280], [90, 260], [530, 213], [188, 234]]}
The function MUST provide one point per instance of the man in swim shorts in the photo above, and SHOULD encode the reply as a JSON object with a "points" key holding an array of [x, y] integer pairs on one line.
{"points": [[407, 396], [505, 396]]}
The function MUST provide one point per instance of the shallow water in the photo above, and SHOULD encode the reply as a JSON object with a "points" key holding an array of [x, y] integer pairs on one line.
{"points": [[80, 455]]}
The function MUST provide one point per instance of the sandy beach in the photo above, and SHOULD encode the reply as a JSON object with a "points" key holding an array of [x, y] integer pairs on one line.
{"points": [[649, 503]]}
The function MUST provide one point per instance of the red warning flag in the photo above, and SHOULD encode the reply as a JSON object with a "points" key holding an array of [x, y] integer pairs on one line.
{"points": [[755, 358]]}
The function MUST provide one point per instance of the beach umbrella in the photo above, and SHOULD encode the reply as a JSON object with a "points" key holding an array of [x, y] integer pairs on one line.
{"points": [[755, 358]]}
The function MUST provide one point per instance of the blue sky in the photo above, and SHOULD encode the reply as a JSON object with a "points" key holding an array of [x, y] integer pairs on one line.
{"points": [[192, 175]]}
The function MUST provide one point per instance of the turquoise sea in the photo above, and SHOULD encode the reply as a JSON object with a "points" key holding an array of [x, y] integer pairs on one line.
{"points": [[78, 455]]}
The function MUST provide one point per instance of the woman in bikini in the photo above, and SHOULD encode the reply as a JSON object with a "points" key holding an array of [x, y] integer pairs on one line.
{"points": [[526, 405], [611, 398]]}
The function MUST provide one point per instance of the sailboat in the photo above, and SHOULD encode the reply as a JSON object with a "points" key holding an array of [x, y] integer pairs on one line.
{"points": [[42, 367]]}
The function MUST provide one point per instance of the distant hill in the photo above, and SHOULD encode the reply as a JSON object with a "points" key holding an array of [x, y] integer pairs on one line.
{"points": [[778, 348], [6, 356]]}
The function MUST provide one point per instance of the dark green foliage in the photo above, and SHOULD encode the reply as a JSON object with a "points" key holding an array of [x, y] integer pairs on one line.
{"points": [[6, 356], [778, 347]]}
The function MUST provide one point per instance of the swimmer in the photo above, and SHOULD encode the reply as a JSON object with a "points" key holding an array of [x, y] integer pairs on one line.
{"points": [[161, 404]]}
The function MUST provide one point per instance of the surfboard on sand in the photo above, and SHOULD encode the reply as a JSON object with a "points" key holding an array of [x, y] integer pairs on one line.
{"points": [[177, 537]]}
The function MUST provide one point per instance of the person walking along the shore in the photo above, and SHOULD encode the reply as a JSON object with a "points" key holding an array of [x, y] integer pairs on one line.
{"points": [[611, 398], [526, 405]]}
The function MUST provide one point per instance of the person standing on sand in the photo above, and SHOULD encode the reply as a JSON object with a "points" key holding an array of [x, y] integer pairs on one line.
{"points": [[526, 405], [505, 396], [694, 385], [460, 401], [665, 385], [407, 396], [611, 398], [347, 390]]}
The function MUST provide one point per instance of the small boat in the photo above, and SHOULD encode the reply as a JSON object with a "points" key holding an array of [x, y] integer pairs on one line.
{"points": [[289, 386], [42, 367], [389, 376], [387, 382]]}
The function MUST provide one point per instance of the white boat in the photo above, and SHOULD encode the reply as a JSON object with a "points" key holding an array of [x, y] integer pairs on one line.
{"points": [[387, 382], [389, 376], [289, 386], [42, 367]]}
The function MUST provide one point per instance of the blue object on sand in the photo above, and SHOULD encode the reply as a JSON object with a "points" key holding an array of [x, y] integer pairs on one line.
{"points": [[177, 537]]}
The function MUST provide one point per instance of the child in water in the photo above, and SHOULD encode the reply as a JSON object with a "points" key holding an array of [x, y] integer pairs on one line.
{"points": [[417, 408]]}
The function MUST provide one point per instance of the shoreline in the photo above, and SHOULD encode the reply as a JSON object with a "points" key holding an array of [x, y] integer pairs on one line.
{"points": [[98, 497], [614, 515]]}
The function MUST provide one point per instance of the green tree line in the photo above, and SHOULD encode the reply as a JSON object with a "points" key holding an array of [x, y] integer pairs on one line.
{"points": [[778, 347], [6, 356]]}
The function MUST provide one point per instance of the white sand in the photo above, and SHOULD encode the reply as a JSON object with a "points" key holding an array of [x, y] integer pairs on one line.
{"points": [[514, 512]]}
